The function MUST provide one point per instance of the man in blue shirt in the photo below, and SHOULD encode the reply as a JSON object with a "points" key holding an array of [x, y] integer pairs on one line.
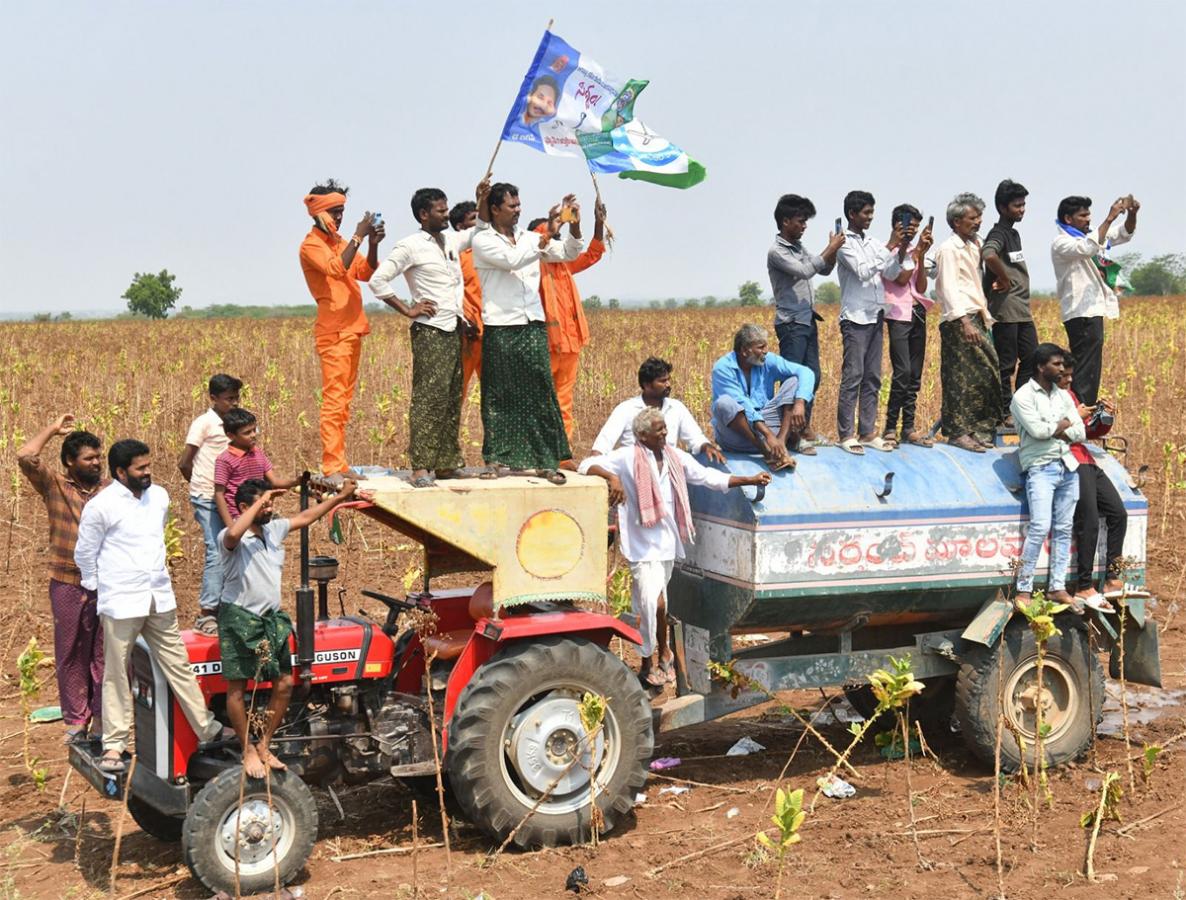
{"points": [[748, 413]]}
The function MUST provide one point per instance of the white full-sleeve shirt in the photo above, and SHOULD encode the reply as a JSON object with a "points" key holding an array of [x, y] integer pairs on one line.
{"points": [[1082, 291], [121, 551], [660, 541], [861, 262], [509, 272], [432, 270], [682, 427]]}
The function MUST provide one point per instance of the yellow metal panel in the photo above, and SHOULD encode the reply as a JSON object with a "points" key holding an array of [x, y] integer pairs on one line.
{"points": [[543, 541]]}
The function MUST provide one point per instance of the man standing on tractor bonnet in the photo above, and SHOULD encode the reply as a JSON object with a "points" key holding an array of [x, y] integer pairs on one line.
{"points": [[332, 270], [78, 639], [121, 554]]}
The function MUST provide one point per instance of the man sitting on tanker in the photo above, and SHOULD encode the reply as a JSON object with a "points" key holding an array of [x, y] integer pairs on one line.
{"points": [[648, 482], [747, 412], [253, 630], [654, 378]]}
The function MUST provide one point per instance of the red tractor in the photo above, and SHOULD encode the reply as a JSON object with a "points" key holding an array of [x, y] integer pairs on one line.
{"points": [[506, 666]]}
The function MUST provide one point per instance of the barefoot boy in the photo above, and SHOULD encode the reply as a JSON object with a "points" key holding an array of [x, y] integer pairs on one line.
{"points": [[253, 631]]}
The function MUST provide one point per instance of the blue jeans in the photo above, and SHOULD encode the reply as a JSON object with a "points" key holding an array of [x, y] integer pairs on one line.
{"points": [[206, 515], [1052, 492]]}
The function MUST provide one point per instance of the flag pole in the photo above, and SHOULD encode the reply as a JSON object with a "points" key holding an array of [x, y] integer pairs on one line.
{"points": [[498, 145]]}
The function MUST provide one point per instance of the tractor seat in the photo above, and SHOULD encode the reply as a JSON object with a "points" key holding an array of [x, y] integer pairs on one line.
{"points": [[448, 645]]}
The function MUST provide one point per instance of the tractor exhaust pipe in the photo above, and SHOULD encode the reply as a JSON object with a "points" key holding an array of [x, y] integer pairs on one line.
{"points": [[304, 598]]}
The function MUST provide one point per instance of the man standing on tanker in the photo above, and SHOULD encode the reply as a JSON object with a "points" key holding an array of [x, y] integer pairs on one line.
{"points": [[332, 270]]}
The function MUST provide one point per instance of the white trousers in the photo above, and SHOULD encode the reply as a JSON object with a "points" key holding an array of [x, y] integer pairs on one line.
{"points": [[648, 581]]}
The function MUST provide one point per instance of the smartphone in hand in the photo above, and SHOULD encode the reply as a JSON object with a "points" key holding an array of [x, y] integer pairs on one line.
{"points": [[838, 225], [930, 223]]}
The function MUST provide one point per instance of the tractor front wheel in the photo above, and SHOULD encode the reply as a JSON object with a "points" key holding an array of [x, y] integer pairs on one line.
{"points": [[265, 843], [517, 743]]}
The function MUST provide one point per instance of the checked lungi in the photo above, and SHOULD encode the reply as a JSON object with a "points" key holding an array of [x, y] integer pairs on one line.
{"points": [[435, 417], [970, 375], [520, 415]]}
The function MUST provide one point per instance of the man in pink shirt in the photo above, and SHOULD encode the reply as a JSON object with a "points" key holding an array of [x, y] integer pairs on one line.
{"points": [[906, 305]]}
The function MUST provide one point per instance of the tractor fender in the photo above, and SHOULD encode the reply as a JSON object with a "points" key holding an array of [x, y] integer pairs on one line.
{"points": [[489, 634], [987, 625]]}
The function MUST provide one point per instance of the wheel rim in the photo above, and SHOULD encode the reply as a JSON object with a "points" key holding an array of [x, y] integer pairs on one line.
{"points": [[1060, 698], [264, 838], [546, 746]]}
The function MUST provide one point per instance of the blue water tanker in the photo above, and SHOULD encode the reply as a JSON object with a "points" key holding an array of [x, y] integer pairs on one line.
{"points": [[849, 560]]}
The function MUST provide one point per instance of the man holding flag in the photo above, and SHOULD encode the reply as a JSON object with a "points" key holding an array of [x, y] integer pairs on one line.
{"points": [[523, 428]]}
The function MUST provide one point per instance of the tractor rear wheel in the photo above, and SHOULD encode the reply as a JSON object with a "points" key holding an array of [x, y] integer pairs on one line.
{"points": [[516, 740], [1072, 695], [271, 842], [151, 820], [932, 708]]}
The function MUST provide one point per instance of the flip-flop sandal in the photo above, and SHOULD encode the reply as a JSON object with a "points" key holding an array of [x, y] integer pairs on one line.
{"points": [[967, 442], [552, 476], [1099, 603], [782, 466], [207, 625], [490, 473], [853, 446], [805, 448], [919, 440], [111, 764], [822, 441], [423, 481], [75, 735], [878, 443]]}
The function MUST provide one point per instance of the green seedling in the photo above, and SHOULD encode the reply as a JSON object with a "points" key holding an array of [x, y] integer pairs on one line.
{"points": [[1149, 755], [28, 663], [788, 816], [592, 712]]}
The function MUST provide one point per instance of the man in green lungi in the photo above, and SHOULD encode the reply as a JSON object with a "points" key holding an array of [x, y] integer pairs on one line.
{"points": [[524, 431], [430, 260], [253, 630]]}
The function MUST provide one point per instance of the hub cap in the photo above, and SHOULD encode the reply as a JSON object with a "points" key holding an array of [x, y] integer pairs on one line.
{"points": [[546, 750], [260, 834], [1059, 698]]}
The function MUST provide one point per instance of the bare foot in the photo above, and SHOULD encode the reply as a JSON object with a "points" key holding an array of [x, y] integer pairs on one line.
{"points": [[1113, 586], [1021, 602], [1059, 596], [252, 764], [270, 760], [1084, 593]]}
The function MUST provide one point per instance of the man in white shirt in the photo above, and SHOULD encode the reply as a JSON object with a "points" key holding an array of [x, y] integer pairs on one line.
{"points": [[521, 420], [1084, 293], [430, 260], [648, 483], [861, 262], [969, 369], [654, 378], [121, 554], [1048, 424]]}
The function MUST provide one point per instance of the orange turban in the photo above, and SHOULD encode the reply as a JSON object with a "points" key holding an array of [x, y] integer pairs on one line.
{"points": [[319, 203]]}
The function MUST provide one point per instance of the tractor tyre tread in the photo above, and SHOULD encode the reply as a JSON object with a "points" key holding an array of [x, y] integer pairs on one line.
{"points": [[481, 793], [151, 820]]}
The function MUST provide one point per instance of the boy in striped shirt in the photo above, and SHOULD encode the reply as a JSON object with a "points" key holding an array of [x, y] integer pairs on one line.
{"points": [[240, 462]]}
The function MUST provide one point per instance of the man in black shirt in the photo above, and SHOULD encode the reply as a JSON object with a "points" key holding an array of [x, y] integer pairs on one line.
{"points": [[1007, 287]]}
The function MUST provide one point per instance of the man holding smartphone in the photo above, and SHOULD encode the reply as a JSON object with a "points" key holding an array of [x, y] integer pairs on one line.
{"points": [[791, 268]]}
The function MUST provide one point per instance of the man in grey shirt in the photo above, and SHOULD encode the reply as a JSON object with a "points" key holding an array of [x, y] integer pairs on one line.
{"points": [[1007, 288], [791, 268], [253, 631]]}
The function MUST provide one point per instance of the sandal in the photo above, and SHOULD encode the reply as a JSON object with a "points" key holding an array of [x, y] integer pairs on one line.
{"points": [[919, 439], [890, 438], [655, 678], [779, 465], [804, 448], [492, 472], [423, 481], [75, 735], [967, 442], [878, 443], [206, 624], [853, 446], [552, 476], [1099, 603], [111, 764], [444, 474], [667, 667]]}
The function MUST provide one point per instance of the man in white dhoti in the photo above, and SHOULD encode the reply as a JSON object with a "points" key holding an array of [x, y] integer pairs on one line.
{"points": [[648, 482]]}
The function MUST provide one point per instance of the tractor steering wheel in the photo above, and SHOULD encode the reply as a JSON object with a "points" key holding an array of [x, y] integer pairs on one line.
{"points": [[392, 603]]}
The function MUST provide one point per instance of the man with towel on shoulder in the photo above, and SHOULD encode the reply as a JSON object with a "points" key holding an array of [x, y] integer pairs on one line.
{"points": [[332, 270], [648, 482]]}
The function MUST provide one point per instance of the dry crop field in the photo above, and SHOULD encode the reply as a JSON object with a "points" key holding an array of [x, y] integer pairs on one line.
{"points": [[147, 380]]}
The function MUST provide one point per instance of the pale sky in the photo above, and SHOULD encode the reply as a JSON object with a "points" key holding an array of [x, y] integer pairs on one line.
{"points": [[136, 136]]}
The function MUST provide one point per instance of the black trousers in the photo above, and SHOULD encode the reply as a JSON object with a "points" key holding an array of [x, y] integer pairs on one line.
{"points": [[1015, 343], [908, 349], [1086, 337], [1097, 497], [799, 342]]}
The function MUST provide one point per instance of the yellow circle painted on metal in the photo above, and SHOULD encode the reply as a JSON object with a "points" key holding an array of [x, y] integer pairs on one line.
{"points": [[550, 544]]}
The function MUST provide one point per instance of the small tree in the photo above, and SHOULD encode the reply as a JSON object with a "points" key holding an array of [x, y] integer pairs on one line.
{"points": [[592, 302], [828, 292], [750, 294], [1159, 277], [152, 295], [614, 303]]}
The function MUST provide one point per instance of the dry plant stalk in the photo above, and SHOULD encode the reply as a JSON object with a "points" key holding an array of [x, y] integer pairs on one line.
{"points": [[415, 850], [436, 759], [996, 769], [119, 828]]}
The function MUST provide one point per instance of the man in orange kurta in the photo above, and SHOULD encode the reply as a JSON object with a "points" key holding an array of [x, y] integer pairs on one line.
{"points": [[333, 268], [568, 329], [462, 216]]}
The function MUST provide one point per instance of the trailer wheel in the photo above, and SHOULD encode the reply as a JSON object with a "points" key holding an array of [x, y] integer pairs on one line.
{"points": [[1072, 694], [280, 838], [151, 820], [516, 736], [933, 708]]}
